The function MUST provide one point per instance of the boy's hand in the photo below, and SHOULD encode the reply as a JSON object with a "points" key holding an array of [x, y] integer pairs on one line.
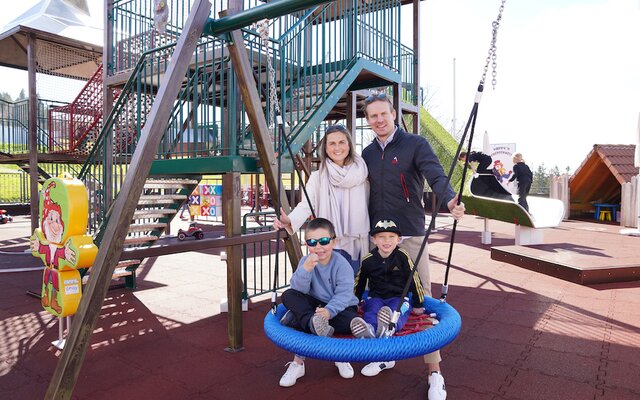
{"points": [[417, 311], [323, 312], [311, 262]]}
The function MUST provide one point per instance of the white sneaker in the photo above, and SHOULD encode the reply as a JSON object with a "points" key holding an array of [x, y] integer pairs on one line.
{"points": [[361, 329], [374, 368], [384, 318], [345, 369], [294, 371], [437, 390]]}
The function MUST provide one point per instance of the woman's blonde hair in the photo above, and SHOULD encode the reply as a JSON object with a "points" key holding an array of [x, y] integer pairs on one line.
{"points": [[518, 158]]}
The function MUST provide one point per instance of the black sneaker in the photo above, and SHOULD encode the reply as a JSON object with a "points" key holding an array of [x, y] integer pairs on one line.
{"points": [[287, 319]]}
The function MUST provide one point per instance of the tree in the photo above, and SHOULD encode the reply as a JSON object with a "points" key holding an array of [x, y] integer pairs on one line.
{"points": [[21, 96]]}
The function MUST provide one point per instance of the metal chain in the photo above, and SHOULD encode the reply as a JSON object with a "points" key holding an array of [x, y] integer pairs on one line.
{"points": [[492, 57], [274, 105]]}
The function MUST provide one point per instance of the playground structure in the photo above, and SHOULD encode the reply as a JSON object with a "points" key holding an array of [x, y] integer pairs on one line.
{"points": [[486, 197], [178, 104], [178, 108]]}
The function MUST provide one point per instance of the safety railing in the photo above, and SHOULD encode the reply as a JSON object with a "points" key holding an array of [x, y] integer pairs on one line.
{"points": [[74, 126], [135, 29], [259, 258], [14, 125]]}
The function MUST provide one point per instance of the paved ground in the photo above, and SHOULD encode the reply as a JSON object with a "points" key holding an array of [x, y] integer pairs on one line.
{"points": [[524, 336]]}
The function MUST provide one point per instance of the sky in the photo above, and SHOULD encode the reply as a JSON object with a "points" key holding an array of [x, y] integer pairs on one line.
{"points": [[568, 71]]}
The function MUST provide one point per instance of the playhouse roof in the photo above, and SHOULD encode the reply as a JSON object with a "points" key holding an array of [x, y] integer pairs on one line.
{"points": [[602, 173], [55, 22], [618, 158]]}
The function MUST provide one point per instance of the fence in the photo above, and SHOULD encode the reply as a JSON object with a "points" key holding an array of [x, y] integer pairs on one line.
{"points": [[14, 186]]}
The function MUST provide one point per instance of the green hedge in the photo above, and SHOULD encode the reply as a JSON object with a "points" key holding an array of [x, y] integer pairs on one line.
{"points": [[443, 144]]}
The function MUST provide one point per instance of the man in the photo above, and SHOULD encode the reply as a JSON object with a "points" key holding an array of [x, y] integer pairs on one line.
{"points": [[478, 161], [398, 163]]}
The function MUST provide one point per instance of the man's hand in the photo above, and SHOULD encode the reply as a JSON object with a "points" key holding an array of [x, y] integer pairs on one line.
{"points": [[457, 210], [311, 262]]}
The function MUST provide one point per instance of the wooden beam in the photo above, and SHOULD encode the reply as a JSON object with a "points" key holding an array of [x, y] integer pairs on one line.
{"points": [[397, 104], [232, 228], [68, 368], [416, 64], [33, 132], [251, 98]]}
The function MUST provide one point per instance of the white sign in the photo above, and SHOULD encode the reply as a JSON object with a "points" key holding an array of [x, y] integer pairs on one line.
{"points": [[502, 163]]}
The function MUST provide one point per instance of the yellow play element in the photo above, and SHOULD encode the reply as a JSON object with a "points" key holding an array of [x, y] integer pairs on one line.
{"points": [[605, 215], [62, 244]]}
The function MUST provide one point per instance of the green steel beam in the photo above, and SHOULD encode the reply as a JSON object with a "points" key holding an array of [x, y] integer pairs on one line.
{"points": [[204, 165], [302, 133], [217, 27]]}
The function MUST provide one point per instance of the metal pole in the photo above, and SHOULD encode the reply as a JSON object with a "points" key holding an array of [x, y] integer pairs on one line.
{"points": [[215, 27]]}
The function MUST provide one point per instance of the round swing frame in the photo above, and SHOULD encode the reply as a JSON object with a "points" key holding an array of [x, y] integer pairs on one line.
{"points": [[367, 350]]}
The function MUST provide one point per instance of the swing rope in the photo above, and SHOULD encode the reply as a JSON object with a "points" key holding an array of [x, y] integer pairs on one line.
{"points": [[274, 112], [471, 123]]}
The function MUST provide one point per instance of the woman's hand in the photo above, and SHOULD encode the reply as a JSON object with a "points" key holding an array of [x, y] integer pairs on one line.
{"points": [[283, 222]]}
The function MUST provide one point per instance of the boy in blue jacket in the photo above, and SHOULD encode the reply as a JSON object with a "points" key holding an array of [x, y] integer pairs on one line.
{"points": [[321, 299]]}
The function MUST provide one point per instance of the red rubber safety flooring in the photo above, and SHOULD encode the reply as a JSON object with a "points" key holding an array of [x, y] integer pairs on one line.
{"points": [[525, 335]]}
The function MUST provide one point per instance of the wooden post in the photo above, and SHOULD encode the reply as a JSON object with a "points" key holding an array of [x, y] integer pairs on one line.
{"points": [[253, 106], [397, 103], [68, 368], [33, 133], [352, 114], [107, 105], [232, 227], [416, 64]]}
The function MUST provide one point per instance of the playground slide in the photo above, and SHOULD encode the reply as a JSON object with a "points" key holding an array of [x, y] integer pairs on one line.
{"points": [[487, 198]]}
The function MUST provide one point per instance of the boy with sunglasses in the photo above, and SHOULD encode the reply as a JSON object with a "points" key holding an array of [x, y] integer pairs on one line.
{"points": [[321, 299]]}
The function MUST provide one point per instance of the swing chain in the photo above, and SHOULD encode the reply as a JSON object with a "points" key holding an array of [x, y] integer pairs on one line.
{"points": [[492, 55], [274, 106]]}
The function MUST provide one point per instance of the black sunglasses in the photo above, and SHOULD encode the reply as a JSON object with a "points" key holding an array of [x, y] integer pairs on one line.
{"points": [[323, 241], [335, 128], [373, 97]]}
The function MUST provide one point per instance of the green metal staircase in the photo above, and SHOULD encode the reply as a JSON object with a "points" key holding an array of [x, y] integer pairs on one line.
{"points": [[316, 57]]}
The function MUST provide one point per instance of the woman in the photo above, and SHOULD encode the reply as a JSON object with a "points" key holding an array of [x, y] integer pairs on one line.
{"points": [[523, 174], [339, 192]]}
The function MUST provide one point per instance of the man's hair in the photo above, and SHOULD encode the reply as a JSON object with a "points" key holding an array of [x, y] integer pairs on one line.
{"points": [[377, 97], [320, 223]]}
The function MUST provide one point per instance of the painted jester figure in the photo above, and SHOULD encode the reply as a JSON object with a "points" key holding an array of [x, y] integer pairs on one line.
{"points": [[61, 243]]}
